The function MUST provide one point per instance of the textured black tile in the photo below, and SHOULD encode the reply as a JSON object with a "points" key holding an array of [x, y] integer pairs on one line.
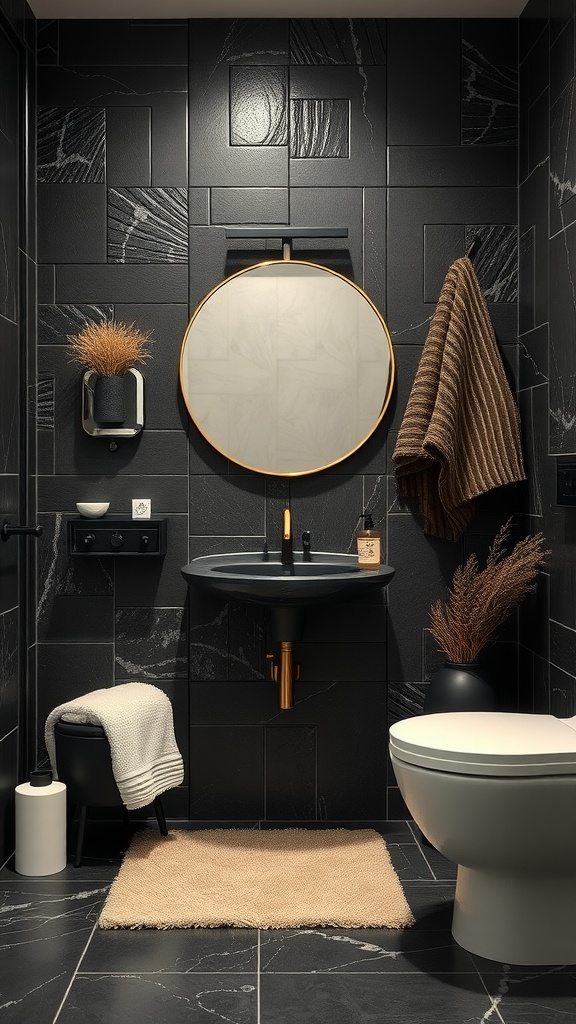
{"points": [[216, 48], [167, 322], [77, 620], [60, 493], [489, 83], [208, 655], [199, 205], [246, 641], [123, 42], [163, 88], [365, 94], [290, 754], [71, 144], [374, 219], [46, 283], [338, 41], [343, 661], [68, 670], [9, 396], [9, 777], [55, 323], [232, 505], [147, 225], [408, 210], [226, 772], [452, 166], [325, 206], [496, 260], [443, 243], [258, 108], [249, 206], [562, 326], [188, 951], [72, 223], [155, 582], [440, 997], [319, 128], [9, 678], [424, 61], [151, 643], [128, 146], [46, 927], [79, 283]]}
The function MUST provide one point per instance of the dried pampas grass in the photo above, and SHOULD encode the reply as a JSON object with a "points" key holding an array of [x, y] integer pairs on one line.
{"points": [[479, 601], [109, 348]]}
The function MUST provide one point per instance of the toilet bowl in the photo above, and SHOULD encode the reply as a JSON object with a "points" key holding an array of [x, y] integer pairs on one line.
{"points": [[496, 793]]}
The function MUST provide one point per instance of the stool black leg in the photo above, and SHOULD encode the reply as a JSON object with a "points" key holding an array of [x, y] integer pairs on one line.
{"points": [[80, 840], [160, 816]]}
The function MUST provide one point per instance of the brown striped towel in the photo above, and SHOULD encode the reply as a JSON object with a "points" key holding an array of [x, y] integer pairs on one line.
{"points": [[460, 435]]}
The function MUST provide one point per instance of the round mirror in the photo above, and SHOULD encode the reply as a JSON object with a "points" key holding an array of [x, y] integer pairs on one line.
{"points": [[286, 367]]}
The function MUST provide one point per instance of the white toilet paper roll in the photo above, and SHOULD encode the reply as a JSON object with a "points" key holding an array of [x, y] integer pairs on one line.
{"points": [[40, 828]]}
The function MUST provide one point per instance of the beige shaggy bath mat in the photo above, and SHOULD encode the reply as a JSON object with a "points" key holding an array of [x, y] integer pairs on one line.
{"points": [[244, 878]]}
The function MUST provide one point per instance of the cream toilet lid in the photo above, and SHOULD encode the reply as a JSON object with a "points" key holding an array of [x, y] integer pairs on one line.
{"points": [[487, 743]]}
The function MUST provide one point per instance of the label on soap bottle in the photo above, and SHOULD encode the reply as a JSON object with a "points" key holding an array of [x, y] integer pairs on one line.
{"points": [[368, 551]]}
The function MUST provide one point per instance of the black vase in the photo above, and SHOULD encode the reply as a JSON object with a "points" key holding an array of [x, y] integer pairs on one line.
{"points": [[109, 400], [460, 688]]}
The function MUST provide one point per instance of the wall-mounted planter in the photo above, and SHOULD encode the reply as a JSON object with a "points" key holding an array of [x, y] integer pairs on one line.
{"points": [[131, 394]]}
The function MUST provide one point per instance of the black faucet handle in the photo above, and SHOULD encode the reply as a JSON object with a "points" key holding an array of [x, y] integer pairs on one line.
{"points": [[306, 540]]}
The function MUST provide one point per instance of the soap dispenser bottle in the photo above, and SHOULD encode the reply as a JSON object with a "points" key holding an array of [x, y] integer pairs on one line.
{"points": [[368, 541]]}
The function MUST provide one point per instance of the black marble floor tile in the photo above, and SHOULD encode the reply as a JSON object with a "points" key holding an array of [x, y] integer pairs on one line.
{"points": [[173, 951], [534, 995], [44, 928], [435, 999], [361, 951], [409, 861], [177, 998]]}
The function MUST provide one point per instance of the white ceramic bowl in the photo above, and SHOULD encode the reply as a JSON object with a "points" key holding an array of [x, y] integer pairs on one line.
{"points": [[93, 509]]}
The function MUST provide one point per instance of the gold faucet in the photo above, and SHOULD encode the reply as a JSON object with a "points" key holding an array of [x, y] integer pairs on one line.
{"points": [[287, 554]]}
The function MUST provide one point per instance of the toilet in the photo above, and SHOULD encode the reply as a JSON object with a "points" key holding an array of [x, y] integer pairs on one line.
{"points": [[495, 792]]}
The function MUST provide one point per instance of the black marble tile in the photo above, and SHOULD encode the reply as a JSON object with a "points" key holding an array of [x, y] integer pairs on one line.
{"points": [[46, 283], [77, 620], [46, 925], [424, 76], [562, 67], [562, 325], [147, 225], [9, 556], [190, 951], [151, 644], [128, 146], [9, 777], [231, 505], [47, 41], [443, 997], [562, 153], [533, 217], [72, 223], [562, 693], [328, 506], [246, 641], [116, 998], [155, 582], [9, 199], [71, 144], [226, 772], [218, 47], [489, 83], [162, 87], [55, 323], [290, 761], [537, 995], [408, 861], [365, 94], [449, 166], [68, 670], [496, 260], [538, 128], [532, 23], [337, 41], [248, 206], [81, 283], [409, 209], [208, 655]]}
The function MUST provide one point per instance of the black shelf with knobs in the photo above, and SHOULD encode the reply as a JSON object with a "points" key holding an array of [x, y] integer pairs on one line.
{"points": [[118, 537]]}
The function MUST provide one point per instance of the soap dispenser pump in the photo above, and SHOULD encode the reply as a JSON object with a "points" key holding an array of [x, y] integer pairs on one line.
{"points": [[368, 541]]}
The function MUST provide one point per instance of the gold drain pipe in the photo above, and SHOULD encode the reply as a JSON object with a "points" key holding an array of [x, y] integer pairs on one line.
{"points": [[284, 674]]}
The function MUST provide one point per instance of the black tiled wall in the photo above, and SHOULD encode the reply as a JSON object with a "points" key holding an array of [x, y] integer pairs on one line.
{"points": [[17, 406], [402, 131], [547, 316]]}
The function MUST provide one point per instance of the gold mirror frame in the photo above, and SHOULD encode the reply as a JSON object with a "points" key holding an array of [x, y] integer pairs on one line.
{"points": [[212, 357]]}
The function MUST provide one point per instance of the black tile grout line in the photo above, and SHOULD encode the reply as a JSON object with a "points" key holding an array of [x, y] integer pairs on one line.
{"points": [[74, 974], [420, 847]]}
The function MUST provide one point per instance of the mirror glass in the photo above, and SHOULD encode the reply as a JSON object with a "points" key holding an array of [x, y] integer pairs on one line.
{"points": [[286, 367]]}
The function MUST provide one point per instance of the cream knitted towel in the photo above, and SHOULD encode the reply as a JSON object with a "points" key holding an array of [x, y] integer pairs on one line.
{"points": [[138, 722], [460, 435]]}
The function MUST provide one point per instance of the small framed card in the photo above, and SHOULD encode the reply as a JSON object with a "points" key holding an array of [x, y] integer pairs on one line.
{"points": [[141, 508]]}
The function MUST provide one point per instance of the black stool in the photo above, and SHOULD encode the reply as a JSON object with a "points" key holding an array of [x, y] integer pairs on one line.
{"points": [[84, 764]]}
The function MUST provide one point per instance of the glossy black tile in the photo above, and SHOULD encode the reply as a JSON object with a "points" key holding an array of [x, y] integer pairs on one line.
{"points": [[226, 772], [290, 757], [213, 951], [489, 83], [124, 41], [151, 644]]}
